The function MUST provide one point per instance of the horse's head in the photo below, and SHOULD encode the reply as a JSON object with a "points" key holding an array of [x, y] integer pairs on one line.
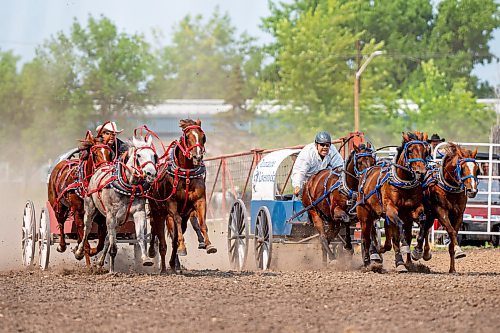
{"points": [[193, 140], [462, 164], [97, 152], [414, 153], [143, 158], [363, 157]]}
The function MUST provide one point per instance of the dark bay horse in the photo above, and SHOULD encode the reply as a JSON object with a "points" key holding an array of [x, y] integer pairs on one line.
{"points": [[446, 189], [67, 187], [178, 192], [393, 191], [337, 187]]}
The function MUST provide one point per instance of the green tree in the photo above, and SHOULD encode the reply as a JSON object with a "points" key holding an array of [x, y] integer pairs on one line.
{"points": [[206, 59], [460, 37], [450, 111], [9, 96], [76, 80], [315, 59]]}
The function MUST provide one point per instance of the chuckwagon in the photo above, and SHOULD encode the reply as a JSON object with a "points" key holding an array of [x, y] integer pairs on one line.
{"points": [[272, 214]]}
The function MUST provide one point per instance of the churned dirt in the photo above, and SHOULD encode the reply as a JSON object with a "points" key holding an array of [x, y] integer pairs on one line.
{"points": [[339, 298]]}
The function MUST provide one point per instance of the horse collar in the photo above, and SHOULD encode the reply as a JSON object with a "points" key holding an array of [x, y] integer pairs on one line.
{"points": [[173, 169], [123, 187]]}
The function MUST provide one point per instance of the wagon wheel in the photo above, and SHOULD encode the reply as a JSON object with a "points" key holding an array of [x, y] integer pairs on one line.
{"points": [[263, 239], [28, 234], [44, 240], [237, 235]]}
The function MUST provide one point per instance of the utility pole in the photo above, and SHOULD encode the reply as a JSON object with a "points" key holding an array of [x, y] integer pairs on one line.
{"points": [[356, 87]]}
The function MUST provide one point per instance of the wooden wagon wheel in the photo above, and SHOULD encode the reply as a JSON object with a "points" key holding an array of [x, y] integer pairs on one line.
{"points": [[237, 235], [263, 239], [28, 239], [44, 240]]}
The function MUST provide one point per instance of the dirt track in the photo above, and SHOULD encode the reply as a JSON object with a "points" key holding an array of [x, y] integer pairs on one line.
{"points": [[336, 299]]}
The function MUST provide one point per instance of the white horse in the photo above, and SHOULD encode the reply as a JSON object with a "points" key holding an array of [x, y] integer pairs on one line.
{"points": [[118, 193]]}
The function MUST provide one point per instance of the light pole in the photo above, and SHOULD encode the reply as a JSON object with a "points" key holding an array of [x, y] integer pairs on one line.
{"points": [[356, 87]]}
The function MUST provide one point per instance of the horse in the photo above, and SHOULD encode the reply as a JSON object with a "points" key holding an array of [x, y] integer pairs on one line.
{"points": [[178, 192], [333, 191], [67, 187], [118, 192], [446, 190], [393, 191]]}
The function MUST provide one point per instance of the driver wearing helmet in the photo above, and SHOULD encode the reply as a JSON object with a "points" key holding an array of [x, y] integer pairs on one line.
{"points": [[315, 157]]}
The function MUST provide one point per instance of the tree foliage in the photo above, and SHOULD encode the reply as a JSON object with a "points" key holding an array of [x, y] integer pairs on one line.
{"points": [[92, 74], [452, 112], [208, 60]]}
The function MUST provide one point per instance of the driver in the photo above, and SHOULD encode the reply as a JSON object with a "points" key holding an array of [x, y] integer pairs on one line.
{"points": [[315, 157], [108, 133]]}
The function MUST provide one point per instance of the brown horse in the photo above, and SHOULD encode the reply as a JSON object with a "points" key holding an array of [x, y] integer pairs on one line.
{"points": [[334, 191], [68, 186], [394, 191], [179, 191], [445, 195]]}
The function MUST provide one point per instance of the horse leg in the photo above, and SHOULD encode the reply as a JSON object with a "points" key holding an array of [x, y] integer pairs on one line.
{"points": [[366, 226], [200, 207], [88, 217], [320, 227], [78, 216], [453, 248], [61, 216], [113, 249], [388, 237], [172, 230], [101, 235], [397, 236], [162, 248], [423, 237], [199, 234], [140, 233], [102, 257], [340, 214]]}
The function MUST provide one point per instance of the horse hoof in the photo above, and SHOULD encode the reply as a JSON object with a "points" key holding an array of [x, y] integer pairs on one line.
{"points": [[460, 254], [416, 254], [427, 256], [201, 246], [61, 249], [147, 263], [182, 252], [211, 249], [79, 256], [405, 249], [375, 257], [401, 268]]}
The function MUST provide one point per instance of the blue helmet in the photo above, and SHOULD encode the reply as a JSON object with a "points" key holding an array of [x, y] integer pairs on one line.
{"points": [[323, 137]]}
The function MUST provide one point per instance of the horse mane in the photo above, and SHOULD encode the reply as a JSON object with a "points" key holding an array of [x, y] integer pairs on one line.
{"points": [[410, 136], [349, 158], [452, 149], [183, 123]]}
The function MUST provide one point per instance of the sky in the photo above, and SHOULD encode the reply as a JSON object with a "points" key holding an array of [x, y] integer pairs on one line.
{"points": [[24, 24]]}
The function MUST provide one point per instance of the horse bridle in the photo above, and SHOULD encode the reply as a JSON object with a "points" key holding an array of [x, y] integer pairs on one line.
{"points": [[368, 153], [93, 154], [407, 161], [139, 167], [458, 170], [186, 150]]}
